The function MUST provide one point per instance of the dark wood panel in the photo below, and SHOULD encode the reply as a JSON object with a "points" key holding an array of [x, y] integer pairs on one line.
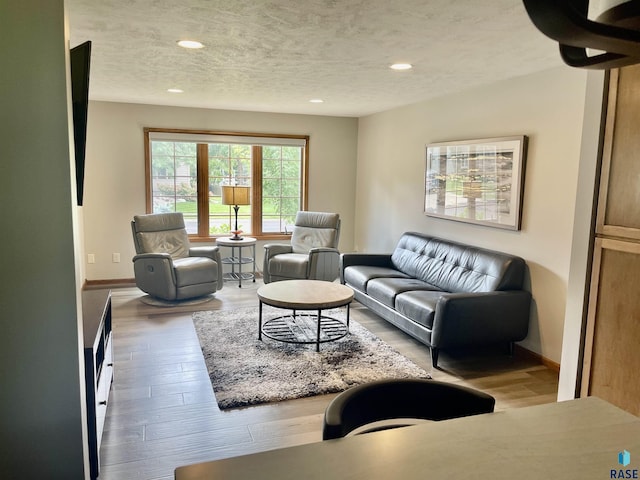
{"points": [[623, 194], [615, 362], [611, 359]]}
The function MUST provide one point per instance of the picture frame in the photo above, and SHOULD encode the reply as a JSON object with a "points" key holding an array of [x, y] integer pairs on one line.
{"points": [[477, 181]]}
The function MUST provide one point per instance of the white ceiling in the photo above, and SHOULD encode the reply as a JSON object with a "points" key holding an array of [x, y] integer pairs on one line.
{"points": [[276, 55]]}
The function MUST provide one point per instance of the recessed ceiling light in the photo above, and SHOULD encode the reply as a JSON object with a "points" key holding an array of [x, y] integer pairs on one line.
{"points": [[401, 66], [175, 90], [316, 100], [190, 44]]}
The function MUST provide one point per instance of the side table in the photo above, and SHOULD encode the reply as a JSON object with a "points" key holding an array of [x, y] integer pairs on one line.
{"points": [[238, 260]]}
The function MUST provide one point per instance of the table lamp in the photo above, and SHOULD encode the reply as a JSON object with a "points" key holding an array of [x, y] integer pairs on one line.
{"points": [[236, 195]]}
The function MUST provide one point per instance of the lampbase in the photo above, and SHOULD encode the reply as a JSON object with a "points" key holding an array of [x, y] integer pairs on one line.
{"points": [[236, 235]]}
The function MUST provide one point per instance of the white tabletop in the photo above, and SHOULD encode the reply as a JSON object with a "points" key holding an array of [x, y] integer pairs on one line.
{"points": [[228, 242], [573, 440]]}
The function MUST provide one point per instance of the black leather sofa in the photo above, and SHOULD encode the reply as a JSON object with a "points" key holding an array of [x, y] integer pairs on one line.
{"points": [[443, 293]]}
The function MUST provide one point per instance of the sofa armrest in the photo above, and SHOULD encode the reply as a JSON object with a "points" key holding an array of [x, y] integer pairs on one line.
{"points": [[212, 252], [471, 318], [369, 259]]}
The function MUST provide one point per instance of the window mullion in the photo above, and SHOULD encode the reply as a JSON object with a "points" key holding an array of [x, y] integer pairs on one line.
{"points": [[148, 175], [203, 189], [256, 190], [304, 187]]}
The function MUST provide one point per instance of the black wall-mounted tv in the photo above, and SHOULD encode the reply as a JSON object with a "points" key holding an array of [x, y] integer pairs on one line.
{"points": [[80, 63]]}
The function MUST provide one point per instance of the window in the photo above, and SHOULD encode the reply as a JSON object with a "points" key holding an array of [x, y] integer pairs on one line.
{"points": [[186, 169]]}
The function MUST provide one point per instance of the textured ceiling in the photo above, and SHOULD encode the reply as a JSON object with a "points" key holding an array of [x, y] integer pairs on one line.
{"points": [[276, 55]]}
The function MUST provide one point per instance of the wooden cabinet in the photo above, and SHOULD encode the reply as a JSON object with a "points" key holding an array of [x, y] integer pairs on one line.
{"points": [[98, 358], [611, 359]]}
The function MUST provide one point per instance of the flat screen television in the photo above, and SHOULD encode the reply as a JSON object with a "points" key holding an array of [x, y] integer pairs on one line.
{"points": [[80, 63]]}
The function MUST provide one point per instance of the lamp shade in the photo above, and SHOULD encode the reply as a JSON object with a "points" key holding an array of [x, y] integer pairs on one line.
{"points": [[236, 195]]}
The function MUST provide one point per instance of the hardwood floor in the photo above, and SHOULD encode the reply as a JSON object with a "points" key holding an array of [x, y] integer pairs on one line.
{"points": [[162, 412]]}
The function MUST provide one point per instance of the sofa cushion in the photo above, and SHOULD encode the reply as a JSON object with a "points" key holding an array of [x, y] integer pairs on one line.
{"points": [[385, 289], [195, 270], [289, 265], [358, 276], [419, 306]]}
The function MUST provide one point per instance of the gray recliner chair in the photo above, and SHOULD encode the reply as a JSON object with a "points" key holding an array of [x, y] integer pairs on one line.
{"points": [[313, 253], [166, 266]]}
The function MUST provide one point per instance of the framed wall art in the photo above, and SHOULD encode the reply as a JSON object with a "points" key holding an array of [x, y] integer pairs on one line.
{"points": [[477, 181]]}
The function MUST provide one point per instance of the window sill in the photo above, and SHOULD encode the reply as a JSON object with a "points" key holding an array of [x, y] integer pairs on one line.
{"points": [[265, 236]]}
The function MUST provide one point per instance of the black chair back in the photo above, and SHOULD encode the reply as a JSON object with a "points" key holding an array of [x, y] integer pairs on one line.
{"points": [[401, 399]]}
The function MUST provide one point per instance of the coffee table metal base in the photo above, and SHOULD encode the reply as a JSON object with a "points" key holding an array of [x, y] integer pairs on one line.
{"points": [[303, 327]]}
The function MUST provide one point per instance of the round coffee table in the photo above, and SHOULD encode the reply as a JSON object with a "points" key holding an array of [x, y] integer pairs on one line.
{"points": [[305, 295]]}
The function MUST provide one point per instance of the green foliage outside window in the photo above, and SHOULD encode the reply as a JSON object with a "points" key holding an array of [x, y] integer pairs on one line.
{"points": [[174, 171]]}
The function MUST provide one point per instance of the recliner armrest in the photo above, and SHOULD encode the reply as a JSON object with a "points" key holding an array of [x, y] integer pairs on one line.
{"points": [[323, 263], [159, 256], [149, 267], [317, 250], [212, 252], [271, 250]]}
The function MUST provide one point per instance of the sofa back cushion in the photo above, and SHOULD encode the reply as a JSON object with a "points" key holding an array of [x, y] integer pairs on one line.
{"points": [[455, 267]]}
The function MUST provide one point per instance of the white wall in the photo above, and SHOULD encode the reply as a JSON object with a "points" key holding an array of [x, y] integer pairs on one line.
{"points": [[41, 363], [576, 309], [548, 108], [114, 182]]}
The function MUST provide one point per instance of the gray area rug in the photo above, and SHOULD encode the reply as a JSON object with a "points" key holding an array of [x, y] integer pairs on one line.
{"points": [[246, 371]]}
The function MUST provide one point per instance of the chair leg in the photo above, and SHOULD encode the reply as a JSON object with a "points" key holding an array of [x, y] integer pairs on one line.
{"points": [[434, 357]]}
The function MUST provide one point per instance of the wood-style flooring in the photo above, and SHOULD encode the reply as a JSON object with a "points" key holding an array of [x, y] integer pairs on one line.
{"points": [[162, 412]]}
